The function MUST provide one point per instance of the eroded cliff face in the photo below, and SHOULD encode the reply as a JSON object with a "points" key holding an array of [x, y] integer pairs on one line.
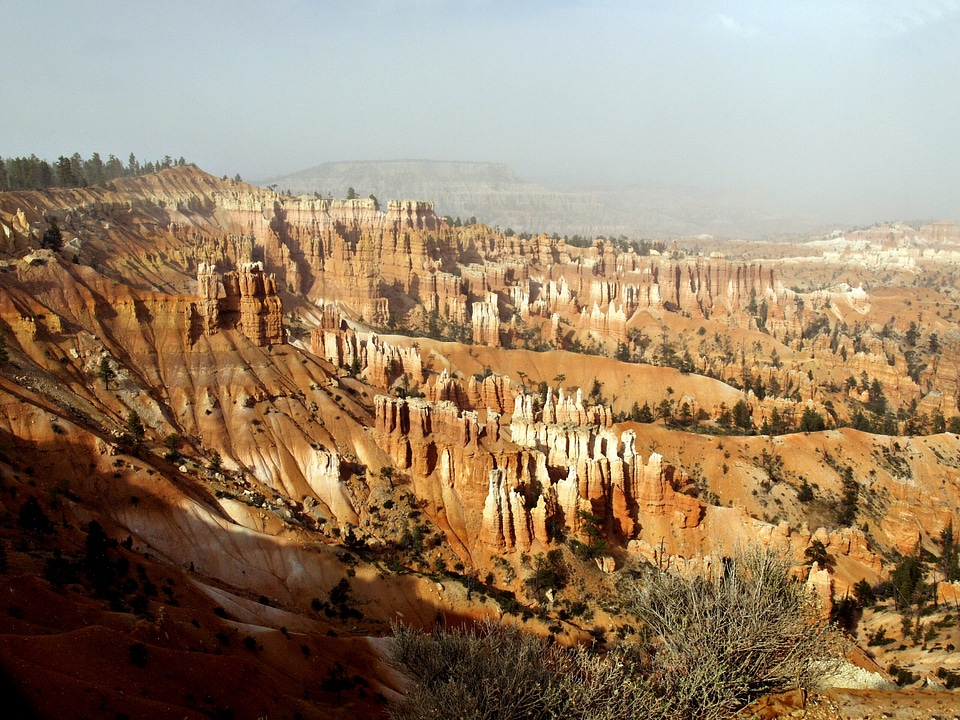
{"points": [[381, 264], [402, 267], [249, 303], [506, 453]]}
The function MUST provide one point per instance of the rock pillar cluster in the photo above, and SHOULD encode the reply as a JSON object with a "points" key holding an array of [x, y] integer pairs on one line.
{"points": [[249, 303], [486, 321], [379, 362]]}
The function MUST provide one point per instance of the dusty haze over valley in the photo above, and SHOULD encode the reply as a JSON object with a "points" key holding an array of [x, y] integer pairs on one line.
{"points": [[637, 395], [840, 113]]}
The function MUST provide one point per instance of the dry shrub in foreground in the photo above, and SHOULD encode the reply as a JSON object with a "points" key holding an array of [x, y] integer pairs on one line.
{"points": [[713, 646], [498, 671], [719, 642]]}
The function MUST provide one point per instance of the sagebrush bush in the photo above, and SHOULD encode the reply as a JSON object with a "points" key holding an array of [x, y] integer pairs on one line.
{"points": [[717, 643], [711, 645], [499, 671]]}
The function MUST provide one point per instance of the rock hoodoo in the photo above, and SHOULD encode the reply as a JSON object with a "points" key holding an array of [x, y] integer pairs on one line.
{"points": [[249, 303]]}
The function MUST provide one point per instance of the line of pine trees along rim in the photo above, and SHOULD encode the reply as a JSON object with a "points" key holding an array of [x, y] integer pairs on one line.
{"points": [[34, 173]]}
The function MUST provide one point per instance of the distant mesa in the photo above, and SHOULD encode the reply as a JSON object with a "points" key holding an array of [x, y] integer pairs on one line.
{"points": [[496, 196]]}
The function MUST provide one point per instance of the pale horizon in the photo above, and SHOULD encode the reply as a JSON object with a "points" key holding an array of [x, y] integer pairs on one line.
{"points": [[846, 111]]}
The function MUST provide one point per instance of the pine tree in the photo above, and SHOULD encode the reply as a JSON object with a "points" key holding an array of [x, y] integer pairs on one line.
{"points": [[94, 171], [741, 415], [44, 177], [135, 425], [949, 555], [65, 176], [76, 166], [52, 237], [114, 168], [106, 373]]}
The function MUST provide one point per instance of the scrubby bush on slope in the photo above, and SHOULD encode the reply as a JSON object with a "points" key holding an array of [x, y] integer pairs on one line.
{"points": [[499, 671], [712, 646], [717, 643]]}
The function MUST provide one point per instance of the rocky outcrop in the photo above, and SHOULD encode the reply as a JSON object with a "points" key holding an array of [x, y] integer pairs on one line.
{"points": [[377, 361], [412, 214], [546, 481], [384, 264], [486, 321], [820, 585], [506, 523], [566, 409], [442, 293], [323, 477], [411, 430], [249, 303], [611, 324], [208, 288], [491, 392], [608, 481]]}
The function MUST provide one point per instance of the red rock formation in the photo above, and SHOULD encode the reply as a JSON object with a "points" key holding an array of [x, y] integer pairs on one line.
{"points": [[427, 438], [377, 262], [404, 425], [612, 323], [506, 524], [412, 214], [208, 288], [567, 409], [331, 318], [379, 362], [493, 391], [520, 299], [443, 294], [250, 303], [820, 584], [486, 321], [261, 312]]}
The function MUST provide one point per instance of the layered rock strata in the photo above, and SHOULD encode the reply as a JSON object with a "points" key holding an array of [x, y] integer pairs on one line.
{"points": [[544, 483], [377, 361], [249, 303]]}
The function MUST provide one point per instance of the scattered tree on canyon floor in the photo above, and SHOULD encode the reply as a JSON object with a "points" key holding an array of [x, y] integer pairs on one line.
{"points": [[742, 417], [817, 553], [949, 563]]}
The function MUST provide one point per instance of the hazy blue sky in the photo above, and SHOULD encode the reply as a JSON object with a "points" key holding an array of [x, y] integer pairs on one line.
{"points": [[849, 107]]}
